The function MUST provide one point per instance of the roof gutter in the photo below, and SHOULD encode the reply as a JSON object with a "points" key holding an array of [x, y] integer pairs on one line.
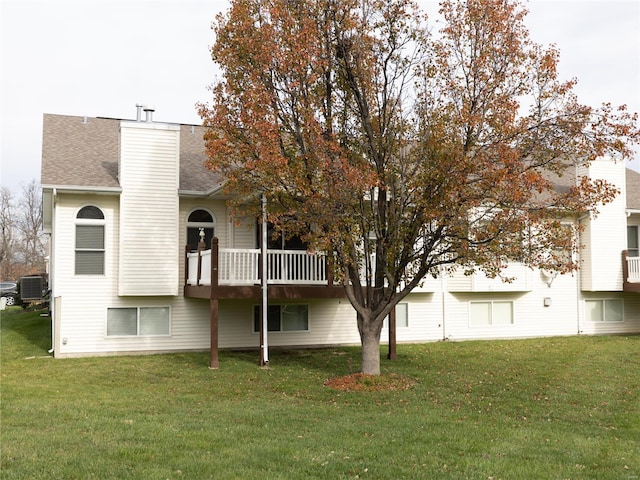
{"points": [[202, 193], [77, 189]]}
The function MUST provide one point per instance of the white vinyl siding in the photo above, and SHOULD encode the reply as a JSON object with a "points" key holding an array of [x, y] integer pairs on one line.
{"points": [[521, 280], [149, 235], [605, 235], [244, 233]]}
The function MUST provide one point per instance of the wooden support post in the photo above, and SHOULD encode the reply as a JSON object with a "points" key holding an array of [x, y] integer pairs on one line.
{"points": [[215, 252], [214, 305], [393, 354], [329, 266], [214, 362]]}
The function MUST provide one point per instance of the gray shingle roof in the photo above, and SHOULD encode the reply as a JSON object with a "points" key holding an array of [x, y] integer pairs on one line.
{"points": [[84, 153]]}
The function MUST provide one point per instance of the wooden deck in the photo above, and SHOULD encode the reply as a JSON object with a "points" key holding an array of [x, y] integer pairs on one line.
{"points": [[630, 273], [216, 274], [231, 273]]}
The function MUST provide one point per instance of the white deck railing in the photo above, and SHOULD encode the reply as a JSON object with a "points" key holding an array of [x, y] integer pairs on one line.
{"points": [[633, 269], [296, 267], [241, 266]]}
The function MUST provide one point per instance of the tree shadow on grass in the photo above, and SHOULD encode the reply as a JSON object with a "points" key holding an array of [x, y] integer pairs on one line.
{"points": [[329, 360]]}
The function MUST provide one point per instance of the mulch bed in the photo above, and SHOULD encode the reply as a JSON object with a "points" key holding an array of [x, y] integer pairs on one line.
{"points": [[361, 382]]}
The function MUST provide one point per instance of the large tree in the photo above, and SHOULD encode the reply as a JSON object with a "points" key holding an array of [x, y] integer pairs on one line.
{"points": [[32, 247], [400, 151], [7, 227]]}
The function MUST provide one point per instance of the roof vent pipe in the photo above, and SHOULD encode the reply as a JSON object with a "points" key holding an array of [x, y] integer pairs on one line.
{"points": [[149, 113], [139, 107]]}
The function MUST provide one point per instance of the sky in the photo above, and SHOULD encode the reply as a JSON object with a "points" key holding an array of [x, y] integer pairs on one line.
{"points": [[101, 57]]}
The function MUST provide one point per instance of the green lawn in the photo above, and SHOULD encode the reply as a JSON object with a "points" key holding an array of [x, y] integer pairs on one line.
{"points": [[559, 408]]}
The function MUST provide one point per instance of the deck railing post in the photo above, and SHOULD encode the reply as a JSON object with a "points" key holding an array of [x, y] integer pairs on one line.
{"points": [[625, 266], [187, 250], [215, 253], [329, 267]]}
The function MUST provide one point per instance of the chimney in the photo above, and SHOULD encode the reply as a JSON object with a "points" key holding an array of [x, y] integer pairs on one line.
{"points": [[139, 107], [148, 110]]}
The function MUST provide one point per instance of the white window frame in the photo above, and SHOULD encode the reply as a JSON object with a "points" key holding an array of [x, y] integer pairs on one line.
{"points": [[138, 317], [603, 309], [402, 305], [633, 251], [256, 317], [85, 222], [491, 322]]}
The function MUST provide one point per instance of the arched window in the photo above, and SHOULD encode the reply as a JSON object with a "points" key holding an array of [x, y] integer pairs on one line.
{"points": [[89, 252], [200, 220]]}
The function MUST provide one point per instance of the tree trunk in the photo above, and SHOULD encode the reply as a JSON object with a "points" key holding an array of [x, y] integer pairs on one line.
{"points": [[370, 354], [370, 339]]}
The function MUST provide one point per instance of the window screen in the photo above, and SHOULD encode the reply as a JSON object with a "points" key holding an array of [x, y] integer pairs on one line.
{"points": [[490, 313], [604, 310], [89, 245], [122, 321], [283, 318], [632, 241], [138, 321]]}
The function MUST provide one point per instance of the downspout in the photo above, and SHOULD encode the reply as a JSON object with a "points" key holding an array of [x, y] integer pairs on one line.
{"points": [[578, 277], [264, 346], [443, 288], [52, 269]]}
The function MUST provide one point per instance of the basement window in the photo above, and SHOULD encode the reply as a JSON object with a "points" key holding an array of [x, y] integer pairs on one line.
{"points": [[604, 310], [402, 316], [283, 318], [490, 313], [138, 321]]}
